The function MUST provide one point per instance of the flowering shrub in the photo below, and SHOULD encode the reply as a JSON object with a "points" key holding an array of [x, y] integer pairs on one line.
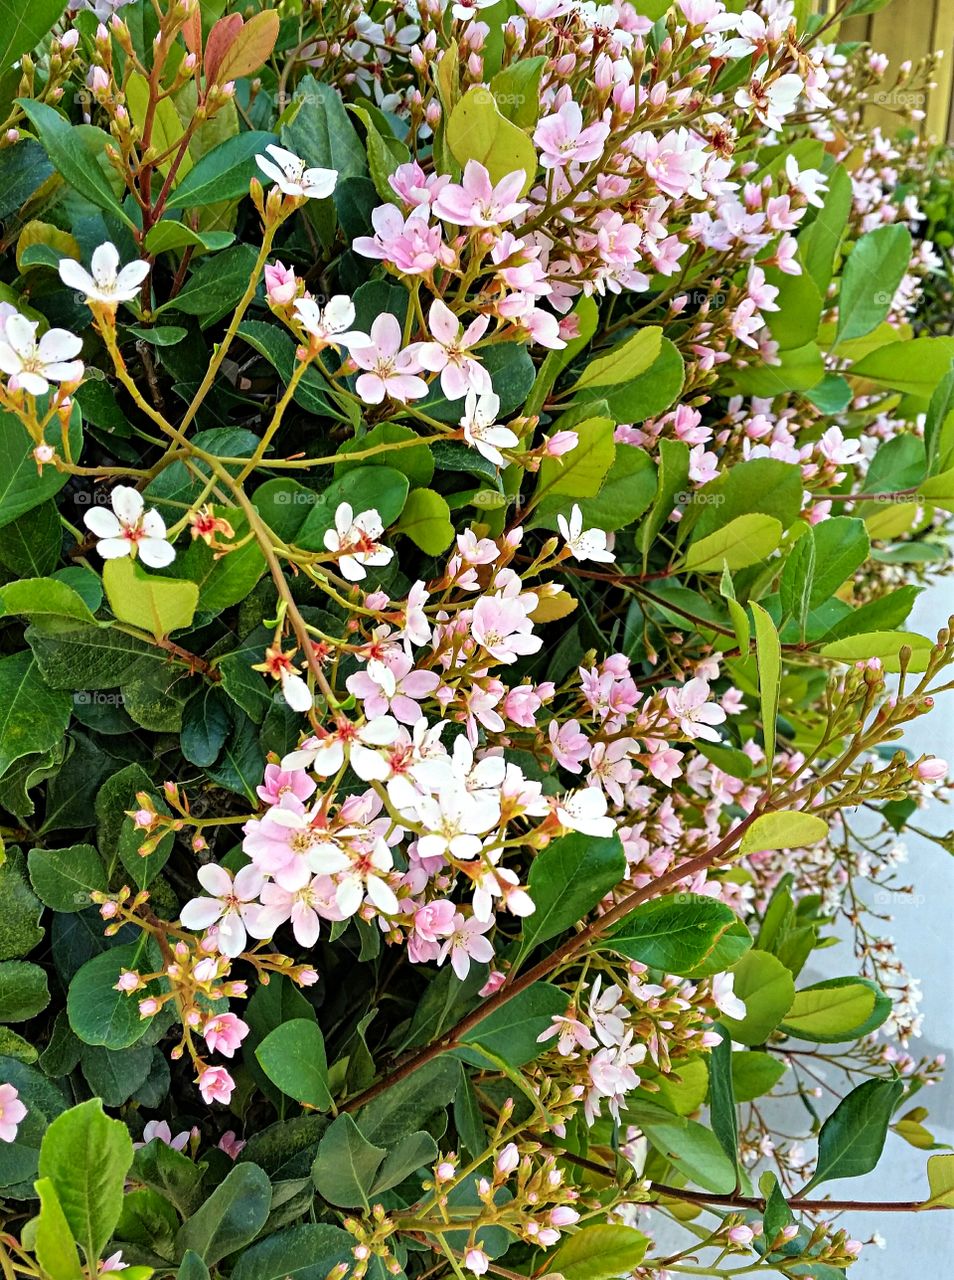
{"points": [[465, 470]]}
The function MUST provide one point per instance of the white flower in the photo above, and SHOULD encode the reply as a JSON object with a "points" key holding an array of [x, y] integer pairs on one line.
{"points": [[329, 323], [585, 811], [36, 364], [480, 429], [289, 172], [589, 544], [106, 282], [724, 997], [367, 879], [232, 904], [295, 691], [355, 537], [131, 531], [326, 755]]}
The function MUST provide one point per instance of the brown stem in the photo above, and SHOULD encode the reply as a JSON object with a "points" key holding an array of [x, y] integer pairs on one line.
{"points": [[546, 966]]}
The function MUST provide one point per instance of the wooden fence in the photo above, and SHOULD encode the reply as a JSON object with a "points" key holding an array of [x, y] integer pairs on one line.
{"points": [[909, 29]]}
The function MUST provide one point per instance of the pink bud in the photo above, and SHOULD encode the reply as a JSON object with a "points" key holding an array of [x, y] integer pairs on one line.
{"points": [[741, 1235], [931, 769]]}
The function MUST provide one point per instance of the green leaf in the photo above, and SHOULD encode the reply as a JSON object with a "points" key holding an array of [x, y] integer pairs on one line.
{"points": [[169, 234], [318, 129], [681, 933], [144, 600], [744, 541], [23, 28], [65, 878], [762, 485], [938, 490], [417, 1150], [426, 521], [783, 829], [884, 645], [75, 155], [415, 460], [98, 1013], [673, 479], [624, 495], [837, 1010], [408, 1103], [754, 1074], [914, 367], [798, 369], [940, 1172], [192, 1267], [55, 1246], [21, 486], [939, 412], [216, 285], [86, 1157], [797, 579], [767, 989], [516, 91], [586, 313], [30, 545], [307, 1252], [599, 1251], [852, 1138], [510, 1032], [23, 990], [222, 580], [722, 1113], [567, 880], [581, 472], [222, 174], [644, 395], [476, 130], [874, 270], [627, 360], [768, 655], [293, 1058], [44, 597], [799, 303], [20, 909], [692, 1149], [346, 1165], [231, 1218]]}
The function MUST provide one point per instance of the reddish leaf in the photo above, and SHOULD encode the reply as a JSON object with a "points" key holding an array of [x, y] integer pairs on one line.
{"points": [[245, 51], [192, 31], [223, 33]]}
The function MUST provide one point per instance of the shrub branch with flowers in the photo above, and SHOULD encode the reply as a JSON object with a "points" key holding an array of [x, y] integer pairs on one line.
{"points": [[465, 470]]}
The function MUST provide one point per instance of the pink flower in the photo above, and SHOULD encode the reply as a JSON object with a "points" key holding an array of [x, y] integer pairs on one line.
{"points": [[500, 625], [467, 943], [224, 1033], [113, 1263], [215, 1084], [231, 1144], [12, 1112], [393, 685], [233, 904], [476, 1261], [476, 202], [932, 768], [304, 907], [690, 707], [410, 244], [279, 782], [390, 371], [449, 355], [281, 284], [160, 1131], [563, 140]]}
